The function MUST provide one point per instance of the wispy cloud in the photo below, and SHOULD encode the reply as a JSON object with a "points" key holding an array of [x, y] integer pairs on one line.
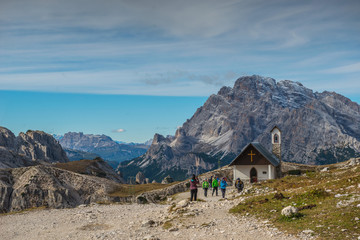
{"points": [[168, 47], [350, 68]]}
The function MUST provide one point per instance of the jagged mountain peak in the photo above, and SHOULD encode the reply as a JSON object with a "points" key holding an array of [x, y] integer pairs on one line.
{"points": [[315, 126]]}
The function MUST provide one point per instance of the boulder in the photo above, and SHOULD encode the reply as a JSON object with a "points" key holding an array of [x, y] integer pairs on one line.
{"points": [[289, 211], [167, 180], [182, 203], [140, 178]]}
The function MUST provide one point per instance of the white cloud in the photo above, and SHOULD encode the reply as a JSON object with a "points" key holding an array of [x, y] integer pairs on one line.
{"points": [[120, 130]]}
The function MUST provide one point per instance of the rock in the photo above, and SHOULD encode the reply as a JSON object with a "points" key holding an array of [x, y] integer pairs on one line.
{"points": [[49, 186], [167, 180], [30, 148], [289, 211], [153, 181], [356, 219], [358, 205], [354, 161], [140, 178], [325, 169], [147, 180], [182, 203], [148, 223], [173, 229], [308, 231]]}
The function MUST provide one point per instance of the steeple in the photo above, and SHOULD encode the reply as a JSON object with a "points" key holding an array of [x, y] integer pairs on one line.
{"points": [[276, 142], [276, 148]]}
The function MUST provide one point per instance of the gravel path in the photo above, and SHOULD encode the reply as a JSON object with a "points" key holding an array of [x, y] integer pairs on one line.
{"points": [[197, 220]]}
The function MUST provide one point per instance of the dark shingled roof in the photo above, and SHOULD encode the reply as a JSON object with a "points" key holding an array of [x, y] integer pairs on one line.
{"points": [[268, 155]]}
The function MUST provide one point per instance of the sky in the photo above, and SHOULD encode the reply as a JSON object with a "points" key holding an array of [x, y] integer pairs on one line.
{"points": [[94, 66]]}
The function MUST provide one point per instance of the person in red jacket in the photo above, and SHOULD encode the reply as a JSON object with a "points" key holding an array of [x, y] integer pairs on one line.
{"points": [[193, 187]]}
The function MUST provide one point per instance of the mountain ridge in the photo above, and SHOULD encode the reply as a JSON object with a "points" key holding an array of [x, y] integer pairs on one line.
{"points": [[317, 128], [101, 145]]}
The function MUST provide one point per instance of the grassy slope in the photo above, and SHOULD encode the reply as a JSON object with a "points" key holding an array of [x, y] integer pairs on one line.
{"points": [[331, 218]]}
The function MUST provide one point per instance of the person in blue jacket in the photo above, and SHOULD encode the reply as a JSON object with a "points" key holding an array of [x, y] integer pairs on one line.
{"points": [[223, 185]]}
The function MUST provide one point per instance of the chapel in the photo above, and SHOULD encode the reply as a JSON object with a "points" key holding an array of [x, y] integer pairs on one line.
{"points": [[256, 163]]}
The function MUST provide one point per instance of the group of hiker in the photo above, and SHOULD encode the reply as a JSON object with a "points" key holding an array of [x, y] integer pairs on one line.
{"points": [[213, 183]]}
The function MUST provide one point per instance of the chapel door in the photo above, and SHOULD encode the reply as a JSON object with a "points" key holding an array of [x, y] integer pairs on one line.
{"points": [[253, 175]]}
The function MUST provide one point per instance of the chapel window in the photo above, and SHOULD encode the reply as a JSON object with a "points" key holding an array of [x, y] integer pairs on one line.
{"points": [[276, 138]]}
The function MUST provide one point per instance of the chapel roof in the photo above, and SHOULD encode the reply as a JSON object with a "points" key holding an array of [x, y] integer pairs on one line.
{"points": [[268, 155]]}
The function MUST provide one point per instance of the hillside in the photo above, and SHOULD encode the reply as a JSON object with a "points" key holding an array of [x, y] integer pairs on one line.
{"points": [[328, 201], [317, 128], [96, 167]]}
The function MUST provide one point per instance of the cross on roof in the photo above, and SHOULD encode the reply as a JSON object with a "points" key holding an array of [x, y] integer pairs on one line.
{"points": [[251, 154]]}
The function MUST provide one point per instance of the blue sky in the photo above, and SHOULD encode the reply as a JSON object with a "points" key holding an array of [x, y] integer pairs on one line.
{"points": [[53, 53]]}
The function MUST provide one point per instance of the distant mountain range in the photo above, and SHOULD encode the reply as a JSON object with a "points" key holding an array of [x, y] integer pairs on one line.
{"points": [[86, 146], [317, 128]]}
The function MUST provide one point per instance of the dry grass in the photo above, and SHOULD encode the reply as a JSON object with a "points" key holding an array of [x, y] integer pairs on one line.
{"points": [[25, 210], [327, 218], [126, 190], [77, 166]]}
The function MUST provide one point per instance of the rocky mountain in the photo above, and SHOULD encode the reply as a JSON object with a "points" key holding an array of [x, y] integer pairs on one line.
{"points": [[27, 187], [317, 128], [102, 146], [29, 148]]}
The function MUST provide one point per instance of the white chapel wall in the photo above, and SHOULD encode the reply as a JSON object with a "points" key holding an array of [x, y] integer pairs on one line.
{"points": [[243, 172]]}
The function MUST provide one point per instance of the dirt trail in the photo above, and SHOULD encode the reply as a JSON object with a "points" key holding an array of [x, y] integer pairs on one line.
{"points": [[208, 219]]}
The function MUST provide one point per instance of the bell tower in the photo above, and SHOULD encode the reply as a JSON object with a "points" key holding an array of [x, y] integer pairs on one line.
{"points": [[276, 147]]}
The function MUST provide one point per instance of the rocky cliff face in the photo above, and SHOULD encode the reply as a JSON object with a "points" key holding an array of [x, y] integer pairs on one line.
{"points": [[103, 146], [28, 149], [317, 128], [22, 188]]}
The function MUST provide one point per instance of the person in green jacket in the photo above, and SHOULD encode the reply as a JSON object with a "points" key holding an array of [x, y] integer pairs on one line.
{"points": [[205, 186], [215, 185]]}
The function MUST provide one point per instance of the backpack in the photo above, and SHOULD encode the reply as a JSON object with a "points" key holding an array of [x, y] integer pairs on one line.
{"points": [[215, 183], [205, 184]]}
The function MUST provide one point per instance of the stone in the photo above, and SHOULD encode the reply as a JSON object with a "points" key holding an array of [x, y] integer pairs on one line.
{"points": [[173, 229], [167, 180], [325, 169], [308, 231], [140, 178], [183, 203], [148, 223], [289, 211]]}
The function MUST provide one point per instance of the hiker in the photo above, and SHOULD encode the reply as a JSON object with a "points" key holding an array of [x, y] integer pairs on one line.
{"points": [[205, 186], [193, 187], [223, 185], [239, 185], [215, 185], [210, 181]]}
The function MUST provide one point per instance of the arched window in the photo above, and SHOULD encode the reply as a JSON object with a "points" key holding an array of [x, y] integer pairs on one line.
{"points": [[276, 138]]}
